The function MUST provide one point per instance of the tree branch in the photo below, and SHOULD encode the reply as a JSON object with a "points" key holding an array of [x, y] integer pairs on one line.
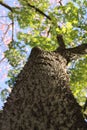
{"points": [[59, 36], [76, 52], [11, 9], [60, 2], [6, 6], [2, 59], [72, 53], [85, 105], [79, 50], [39, 11], [60, 41]]}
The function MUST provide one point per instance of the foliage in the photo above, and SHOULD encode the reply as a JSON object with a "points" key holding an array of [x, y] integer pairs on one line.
{"points": [[15, 53], [79, 80]]}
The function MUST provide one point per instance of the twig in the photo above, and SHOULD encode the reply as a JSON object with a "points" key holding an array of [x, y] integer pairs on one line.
{"points": [[6, 31], [3, 16], [85, 105], [12, 27], [60, 2], [11, 9], [2, 59]]}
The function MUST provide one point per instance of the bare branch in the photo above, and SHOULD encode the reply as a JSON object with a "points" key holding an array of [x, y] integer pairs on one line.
{"points": [[11, 9], [3, 16], [6, 6], [2, 59], [6, 31], [12, 27]]}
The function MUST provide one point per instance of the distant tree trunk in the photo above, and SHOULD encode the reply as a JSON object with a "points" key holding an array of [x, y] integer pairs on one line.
{"points": [[41, 98]]}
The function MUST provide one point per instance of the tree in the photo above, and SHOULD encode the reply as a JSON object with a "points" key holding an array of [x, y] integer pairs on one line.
{"points": [[41, 97]]}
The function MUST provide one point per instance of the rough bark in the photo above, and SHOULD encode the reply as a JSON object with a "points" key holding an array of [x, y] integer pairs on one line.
{"points": [[41, 98]]}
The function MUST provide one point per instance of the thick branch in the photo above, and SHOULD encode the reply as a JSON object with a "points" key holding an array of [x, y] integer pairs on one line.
{"points": [[79, 50], [6, 6], [72, 53], [60, 41], [76, 52]]}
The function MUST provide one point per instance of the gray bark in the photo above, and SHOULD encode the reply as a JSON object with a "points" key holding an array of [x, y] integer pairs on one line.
{"points": [[41, 98]]}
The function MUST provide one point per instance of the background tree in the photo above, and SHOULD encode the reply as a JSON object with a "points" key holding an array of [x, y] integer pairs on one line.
{"points": [[50, 27]]}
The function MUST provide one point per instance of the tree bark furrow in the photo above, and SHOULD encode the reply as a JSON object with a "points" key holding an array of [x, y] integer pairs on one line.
{"points": [[42, 100]]}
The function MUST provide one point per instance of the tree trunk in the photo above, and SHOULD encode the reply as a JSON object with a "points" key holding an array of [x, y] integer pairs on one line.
{"points": [[41, 98]]}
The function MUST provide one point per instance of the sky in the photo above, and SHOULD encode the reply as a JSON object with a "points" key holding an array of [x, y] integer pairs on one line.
{"points": [[4, 41]]}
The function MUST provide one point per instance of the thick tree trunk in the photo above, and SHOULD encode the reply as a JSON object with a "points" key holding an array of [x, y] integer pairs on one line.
{"points": [[41, 98]]}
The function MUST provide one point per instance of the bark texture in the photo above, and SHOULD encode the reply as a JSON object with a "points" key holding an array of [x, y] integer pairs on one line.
{"points": [[41, 98]]}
